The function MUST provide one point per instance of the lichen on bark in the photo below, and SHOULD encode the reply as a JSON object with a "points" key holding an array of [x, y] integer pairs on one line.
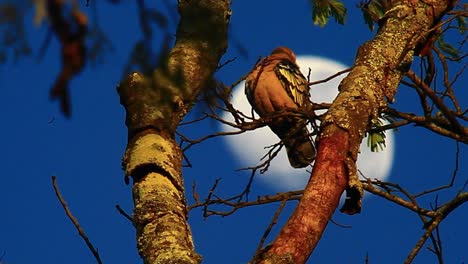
{"points": [[155, 104]]}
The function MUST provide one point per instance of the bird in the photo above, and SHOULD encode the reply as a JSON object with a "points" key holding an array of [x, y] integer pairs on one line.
{"points": [[276, 84]]}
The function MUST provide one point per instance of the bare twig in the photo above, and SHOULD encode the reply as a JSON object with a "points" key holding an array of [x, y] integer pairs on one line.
{"points": [[246, 190], [434, 124], [442, 213], [393, 125], [368, 186], [226, 63], [437, 246], [210, 194], [454, 176], [188, 164], [235, 204], [438, 102], [122, 212], [330, 77], [421, 242], [273, 222], [75, 221], [203, 117]]}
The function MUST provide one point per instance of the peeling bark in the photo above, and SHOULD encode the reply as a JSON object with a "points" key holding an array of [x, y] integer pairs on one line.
{"points": [[379, 66], [155, 105]]}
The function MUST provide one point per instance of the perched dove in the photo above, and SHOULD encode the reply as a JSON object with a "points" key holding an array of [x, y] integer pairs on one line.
{"points": [[276, 84]]}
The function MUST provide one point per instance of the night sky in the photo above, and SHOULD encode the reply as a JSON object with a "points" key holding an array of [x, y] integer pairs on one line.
{"points": [[85, 153]]}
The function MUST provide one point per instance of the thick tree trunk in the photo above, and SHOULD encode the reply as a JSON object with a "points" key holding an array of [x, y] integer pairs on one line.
{"points": [[155, 106], [379, 66]]}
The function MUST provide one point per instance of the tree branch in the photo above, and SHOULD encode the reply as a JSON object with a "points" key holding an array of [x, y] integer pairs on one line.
{"points": [[75, 221], [155, 106], [379, 66]]}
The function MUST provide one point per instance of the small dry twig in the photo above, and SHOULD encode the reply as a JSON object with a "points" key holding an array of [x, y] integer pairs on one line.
{"points": [[75, 221], [122, 212], [273, 222]]}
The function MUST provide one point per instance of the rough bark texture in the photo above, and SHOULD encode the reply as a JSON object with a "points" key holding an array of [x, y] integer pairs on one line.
{"points": [[379, 66], [155, 106]]}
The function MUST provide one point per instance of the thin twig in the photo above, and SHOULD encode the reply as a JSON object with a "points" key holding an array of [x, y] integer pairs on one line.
{"points": [[442, 213], [236, 205], [368, 186], [75, 221], [270, 226], [210, 194], [433, 124], [438, 102], [122, 212], [330, 77], [194, 120], [437, 243], [225, 63], [421, 242], [454, 176]]}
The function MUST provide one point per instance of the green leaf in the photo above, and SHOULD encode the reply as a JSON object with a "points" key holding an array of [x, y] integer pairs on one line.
{"points": [[376, 140], [368, 20], [372, 12], [448, 49], [323, 9]]}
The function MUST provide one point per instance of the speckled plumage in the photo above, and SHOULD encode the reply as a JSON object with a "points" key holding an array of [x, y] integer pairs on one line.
{"points": [[276, 84]]}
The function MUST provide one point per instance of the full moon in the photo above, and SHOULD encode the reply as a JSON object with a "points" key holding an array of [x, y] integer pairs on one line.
{"points": [[249, 147]]}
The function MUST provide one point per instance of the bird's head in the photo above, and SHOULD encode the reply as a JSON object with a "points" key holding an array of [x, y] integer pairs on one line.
{"points": [[284, 53]]}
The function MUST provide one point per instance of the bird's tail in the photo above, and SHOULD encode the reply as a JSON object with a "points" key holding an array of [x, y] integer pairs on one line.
{"points": [[300, 149]]}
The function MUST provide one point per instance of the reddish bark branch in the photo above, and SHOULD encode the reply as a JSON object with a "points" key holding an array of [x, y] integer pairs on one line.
{"points": [[379, 67], [320, 199]]}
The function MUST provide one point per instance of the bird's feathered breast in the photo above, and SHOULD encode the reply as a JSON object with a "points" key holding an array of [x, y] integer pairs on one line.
{"points": [[276, 84]]}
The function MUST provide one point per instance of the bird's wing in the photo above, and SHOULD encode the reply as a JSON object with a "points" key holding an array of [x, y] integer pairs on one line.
{"points": [[295, 84]]}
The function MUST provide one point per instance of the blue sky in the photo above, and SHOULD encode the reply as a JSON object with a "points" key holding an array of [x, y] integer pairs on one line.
{"points": [[85, 154]]}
